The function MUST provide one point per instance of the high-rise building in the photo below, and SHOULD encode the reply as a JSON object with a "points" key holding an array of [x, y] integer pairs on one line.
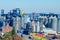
{"points": [[18, 10], [2, 18], [2, 11], [33, 26], [58, 26], [1, 24], [54, 23]]}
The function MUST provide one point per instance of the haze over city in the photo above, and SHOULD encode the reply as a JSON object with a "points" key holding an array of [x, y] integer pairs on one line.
{"points": [[29, 6]]}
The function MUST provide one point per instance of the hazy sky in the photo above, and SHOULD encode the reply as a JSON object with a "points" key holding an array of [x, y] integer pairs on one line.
{"points": [[30, 6]]}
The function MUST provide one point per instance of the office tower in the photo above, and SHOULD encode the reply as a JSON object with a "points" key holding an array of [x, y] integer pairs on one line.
{"points": [[16, 18], [22, 21], [17, 23], [50, 20], [2, 11], [41, 22], [58, 26], [26, 20], [33, 26], [38, 27], [54, 23], [1, 24], [17, 10], [33, 16], [3, 16]]}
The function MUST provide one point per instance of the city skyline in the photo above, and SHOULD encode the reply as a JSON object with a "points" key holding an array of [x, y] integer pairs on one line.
{"points": [[29, 6]]}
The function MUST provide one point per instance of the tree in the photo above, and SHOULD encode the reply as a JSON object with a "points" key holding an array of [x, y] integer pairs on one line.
{"points": [[13, 31]]}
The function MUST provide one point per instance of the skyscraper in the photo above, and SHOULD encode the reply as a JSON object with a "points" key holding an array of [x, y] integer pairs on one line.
{"points": [[2, 11], [58, 27]]}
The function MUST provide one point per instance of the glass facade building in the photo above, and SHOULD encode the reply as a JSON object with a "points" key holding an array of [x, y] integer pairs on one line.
{"points": [[58, 27]]}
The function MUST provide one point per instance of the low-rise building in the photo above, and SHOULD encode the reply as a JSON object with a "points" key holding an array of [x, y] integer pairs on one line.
{"points": [[7, 28]]}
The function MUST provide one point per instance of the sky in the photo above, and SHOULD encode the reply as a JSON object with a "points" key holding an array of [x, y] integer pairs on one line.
{"points": [[29, 6]]}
